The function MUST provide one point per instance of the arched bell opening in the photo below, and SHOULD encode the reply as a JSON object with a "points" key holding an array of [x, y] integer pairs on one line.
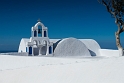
{"points": [[39, 31], [35, 33], [45, 33]]}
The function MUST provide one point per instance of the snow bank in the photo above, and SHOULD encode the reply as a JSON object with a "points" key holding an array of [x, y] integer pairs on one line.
{"points": [[23, 69], [71, 47], [92, 46]]}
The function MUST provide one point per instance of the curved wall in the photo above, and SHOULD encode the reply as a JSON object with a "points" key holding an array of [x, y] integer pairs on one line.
{"points": [[22, 46], [71, 47], [92, 46]]}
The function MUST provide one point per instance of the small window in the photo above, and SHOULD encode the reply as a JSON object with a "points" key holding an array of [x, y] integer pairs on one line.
{"points": [[35, 33], [26, 49], [45, 34], [35, 43], [50, 50], [44, 42]]}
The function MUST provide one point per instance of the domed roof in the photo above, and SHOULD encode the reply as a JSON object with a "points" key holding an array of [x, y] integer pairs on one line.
{"points": [[71, 47]]}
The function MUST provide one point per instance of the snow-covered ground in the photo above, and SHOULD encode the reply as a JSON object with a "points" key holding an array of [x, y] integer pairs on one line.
{"points": [[27, 69]]}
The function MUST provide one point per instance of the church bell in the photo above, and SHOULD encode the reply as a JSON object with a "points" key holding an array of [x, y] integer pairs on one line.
{"points": [[39, 30]]}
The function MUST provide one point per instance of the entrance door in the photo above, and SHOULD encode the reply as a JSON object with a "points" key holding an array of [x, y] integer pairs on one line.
{"points": [[36, 51], [50, 50], [44, 48], [30, 50]]}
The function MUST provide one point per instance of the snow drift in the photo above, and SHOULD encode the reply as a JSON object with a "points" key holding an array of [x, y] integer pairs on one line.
{"points": [[23, 69], [71, 47]]}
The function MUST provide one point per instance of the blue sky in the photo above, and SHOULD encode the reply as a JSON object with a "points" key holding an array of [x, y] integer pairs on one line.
{"points": [[64, 18]]}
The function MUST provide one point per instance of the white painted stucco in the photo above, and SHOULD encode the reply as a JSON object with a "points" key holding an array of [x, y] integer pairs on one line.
{"points": [[40, 44], [92, 46], [71, 47], [23, 44]]}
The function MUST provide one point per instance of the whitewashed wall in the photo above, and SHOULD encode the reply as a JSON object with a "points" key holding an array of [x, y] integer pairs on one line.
{"points": [[92, 46], [109, 52], [22, 46], [71, 47]]}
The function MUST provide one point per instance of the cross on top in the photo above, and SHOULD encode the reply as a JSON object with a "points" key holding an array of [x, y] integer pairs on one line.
{"points": [[39, 20]]}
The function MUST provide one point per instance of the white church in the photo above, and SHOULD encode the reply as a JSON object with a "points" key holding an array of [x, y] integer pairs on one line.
{"points": [[39, 44]]}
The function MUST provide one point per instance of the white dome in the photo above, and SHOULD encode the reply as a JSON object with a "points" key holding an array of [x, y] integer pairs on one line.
{"points": [[92, 46], [71, 47]]}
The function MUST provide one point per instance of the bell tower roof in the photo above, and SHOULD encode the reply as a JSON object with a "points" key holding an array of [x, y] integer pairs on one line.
{"points": [[39, 23]]}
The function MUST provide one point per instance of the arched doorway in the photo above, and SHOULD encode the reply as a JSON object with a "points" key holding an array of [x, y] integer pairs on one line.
{"points": [[44, 48], [30, 50], [35, 48]]}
